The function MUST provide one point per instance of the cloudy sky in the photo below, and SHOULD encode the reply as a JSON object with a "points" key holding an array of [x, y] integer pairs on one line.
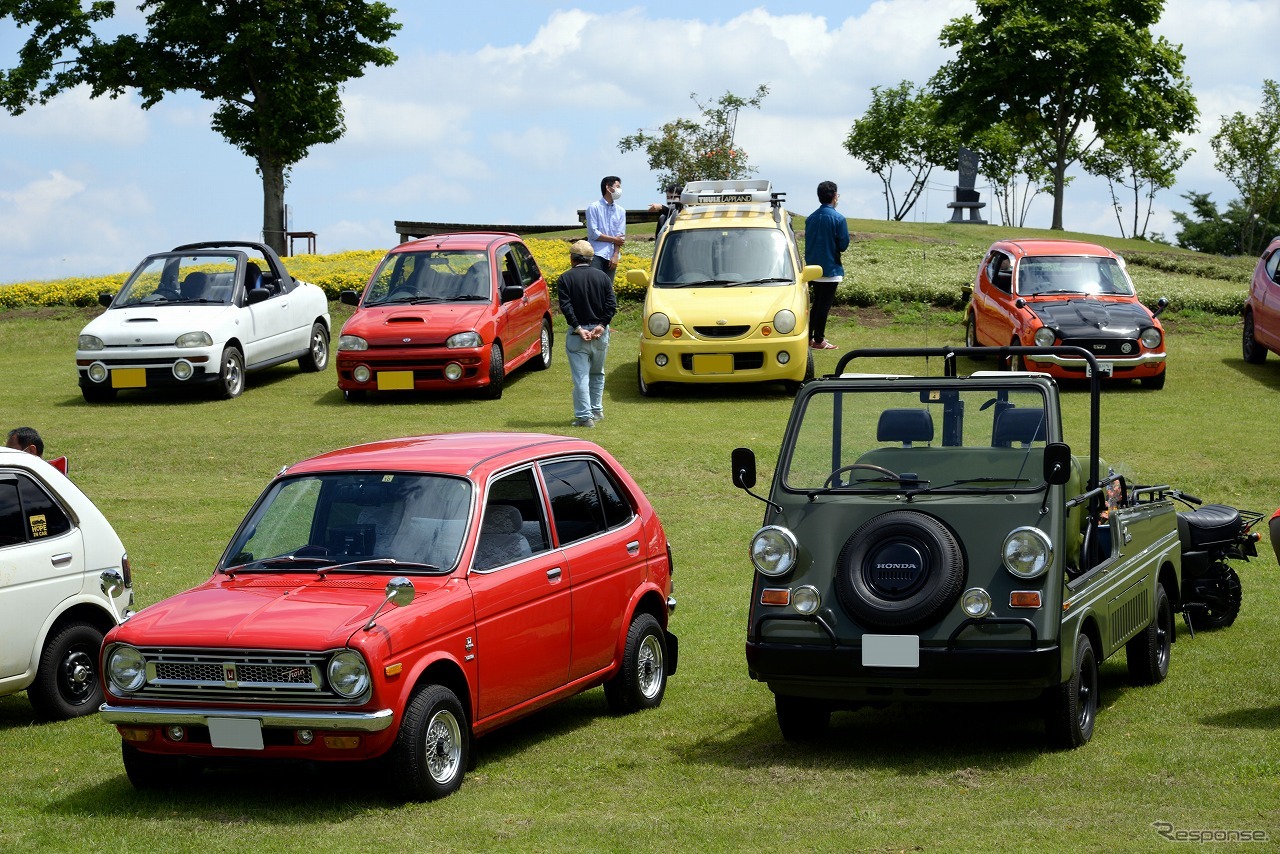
{"points": [[511, 112]]}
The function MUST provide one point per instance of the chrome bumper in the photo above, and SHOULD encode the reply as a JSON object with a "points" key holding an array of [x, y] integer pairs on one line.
{"points": [[1119, 361], [281, 719]]}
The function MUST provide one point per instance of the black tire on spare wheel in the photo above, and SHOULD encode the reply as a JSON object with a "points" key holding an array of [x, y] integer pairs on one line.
{"points": [[900, 570]]}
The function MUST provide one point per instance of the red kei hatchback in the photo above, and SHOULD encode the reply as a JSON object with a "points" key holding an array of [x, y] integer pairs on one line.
{"points": [[444, 312], [396, 600], [1262, 310]]}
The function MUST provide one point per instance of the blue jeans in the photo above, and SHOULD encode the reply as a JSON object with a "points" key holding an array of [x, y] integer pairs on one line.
{"points": [[602, 264], [586, 366]]}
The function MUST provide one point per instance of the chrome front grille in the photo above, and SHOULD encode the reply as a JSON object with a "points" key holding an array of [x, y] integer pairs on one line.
{"points": [[232, 675]]}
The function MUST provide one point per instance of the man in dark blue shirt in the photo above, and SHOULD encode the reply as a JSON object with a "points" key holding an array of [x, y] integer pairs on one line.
{"points": [[826, 236]]}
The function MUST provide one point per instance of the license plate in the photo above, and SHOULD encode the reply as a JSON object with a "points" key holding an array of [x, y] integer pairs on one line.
{"points": [[1104, 369], [395, 381], [715, 363], [235, 733], [890, 650], [129, 378]]}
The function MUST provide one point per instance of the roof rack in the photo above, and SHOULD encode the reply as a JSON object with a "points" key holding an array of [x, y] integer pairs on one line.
{"points": [[728, 192]]}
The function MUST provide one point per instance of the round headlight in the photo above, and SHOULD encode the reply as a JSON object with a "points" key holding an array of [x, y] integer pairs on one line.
{"points": [[194, 339], [352, 342], [806, 599], [464, 339], [785, 321], [348, 674], [975, 602], [659, 324], [126, 668], [90, 342], [1044, 337], [1150, 338], [773, 551], [1027, 552]]}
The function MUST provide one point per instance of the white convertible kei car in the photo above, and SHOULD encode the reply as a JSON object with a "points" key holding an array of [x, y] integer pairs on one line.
{"points": [[203, 314], [64, 582]]}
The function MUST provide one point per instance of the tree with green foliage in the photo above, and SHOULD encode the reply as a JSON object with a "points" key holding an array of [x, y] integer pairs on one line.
{"points": [[1140, 164], [1247, 152], [273, 68], [685, 150], [1052, 71], [1015, 173], [901, 128], [1206, 229]]}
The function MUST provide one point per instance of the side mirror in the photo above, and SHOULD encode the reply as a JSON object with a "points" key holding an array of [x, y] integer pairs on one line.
{"points": [[743, 463], [1161, 305], [638, 277], [257, 295], [809, 273], [399, 592], [104, 299], [1057, 463], [512, 292], [349, 298]]}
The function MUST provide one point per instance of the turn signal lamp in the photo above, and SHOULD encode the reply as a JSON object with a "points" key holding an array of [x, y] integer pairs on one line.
{"points": [[1024, 599], [775, 596], [342, 742]]}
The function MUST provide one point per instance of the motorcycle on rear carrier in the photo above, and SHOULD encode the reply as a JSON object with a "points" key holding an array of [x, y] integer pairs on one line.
{"points": [[1210, 535]]}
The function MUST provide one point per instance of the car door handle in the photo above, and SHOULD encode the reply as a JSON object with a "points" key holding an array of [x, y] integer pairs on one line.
{"points": [[553, 574], [633, 548], [61, 559]]}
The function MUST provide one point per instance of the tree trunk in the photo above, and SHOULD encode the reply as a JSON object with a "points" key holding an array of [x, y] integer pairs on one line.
{"points": [[273, 224], [1059, 190]]}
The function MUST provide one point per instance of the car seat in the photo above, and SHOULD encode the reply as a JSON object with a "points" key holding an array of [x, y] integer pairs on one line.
{"points": [[905, 426], [500, 539]]}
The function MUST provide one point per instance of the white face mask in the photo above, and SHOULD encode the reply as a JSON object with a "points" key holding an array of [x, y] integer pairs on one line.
{"points": [[615, 193]]}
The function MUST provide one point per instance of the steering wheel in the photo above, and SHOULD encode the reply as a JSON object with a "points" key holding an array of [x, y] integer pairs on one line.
{"points": [[835, 475]]}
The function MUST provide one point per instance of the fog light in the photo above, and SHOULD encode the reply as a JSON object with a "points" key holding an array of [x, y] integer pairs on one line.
{"points": [[98, 372], [453, 372], [975, 602], [806, 599], [175, 733], [361, 374], [783, 357], [660, 360], [183, 370], [306, 736]]}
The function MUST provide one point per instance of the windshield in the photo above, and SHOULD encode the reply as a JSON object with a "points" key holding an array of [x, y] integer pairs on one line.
{"points": [[1065, 274], [919, 439], [724, 257], [180, 280], [323, 520], [434, 276]]}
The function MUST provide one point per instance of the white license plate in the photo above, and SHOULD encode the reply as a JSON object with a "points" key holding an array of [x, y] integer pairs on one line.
{"points": [[235, 733], [1104, 369], [890, 650]]}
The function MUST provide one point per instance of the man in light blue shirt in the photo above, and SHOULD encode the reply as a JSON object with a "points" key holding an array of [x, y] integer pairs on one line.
{"points": [[607, 226]]}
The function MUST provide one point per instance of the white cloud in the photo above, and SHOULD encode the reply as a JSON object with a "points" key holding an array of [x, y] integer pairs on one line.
{"points": [[74, 115]]}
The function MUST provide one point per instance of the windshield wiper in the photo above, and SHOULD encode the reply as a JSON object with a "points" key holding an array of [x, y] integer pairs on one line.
{"points": [[377, 561], [700, 284], [901, 480], [968, 480], [759, 281], [465, 298], [322, 565]]}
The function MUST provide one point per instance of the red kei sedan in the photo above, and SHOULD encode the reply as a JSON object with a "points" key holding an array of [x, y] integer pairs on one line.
{"points": [[450, 311], [395, 600], [1043, 293], [1262, 311]]}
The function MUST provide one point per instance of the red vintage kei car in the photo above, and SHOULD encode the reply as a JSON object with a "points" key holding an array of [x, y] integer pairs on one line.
{"points": [[397, 599]]}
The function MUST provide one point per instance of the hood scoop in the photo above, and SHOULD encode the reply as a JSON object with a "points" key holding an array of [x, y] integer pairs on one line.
{"points": [[143, 320], [405, 318]]}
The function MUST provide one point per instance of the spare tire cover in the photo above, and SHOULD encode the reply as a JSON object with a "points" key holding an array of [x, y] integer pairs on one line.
{"points": [[900, 570]]}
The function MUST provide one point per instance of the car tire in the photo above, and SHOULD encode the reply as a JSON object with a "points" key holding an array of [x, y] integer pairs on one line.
{"points": [[497, 373], [68, 683], [646, 389], [641, 681], [793, 386], [897, 598], [546, 347], [971, 335], [231, 374], [97, 393], [1224, 588], [1073, 705], [1154, 383], [1253, 352], [150, 771], [1016, 363], [354, 395], [801, 718], [317, 357], [430, 755], [1148, 652]]}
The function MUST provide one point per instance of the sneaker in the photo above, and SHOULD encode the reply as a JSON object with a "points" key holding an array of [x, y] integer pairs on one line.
{"points": [[824, 344], [597, 417], [582, 422]]}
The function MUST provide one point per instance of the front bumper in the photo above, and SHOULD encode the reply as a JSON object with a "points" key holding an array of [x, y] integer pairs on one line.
{"points": [[1131, 367], [413, 370], [375, 721], [152, 369], [757, 358]]}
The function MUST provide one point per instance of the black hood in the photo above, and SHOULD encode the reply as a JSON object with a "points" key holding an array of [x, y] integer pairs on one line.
{"points": [[1091, 318]]}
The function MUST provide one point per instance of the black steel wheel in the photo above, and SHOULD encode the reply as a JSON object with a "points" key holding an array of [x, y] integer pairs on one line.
{"points": [[1073, 706], [1148, 652], [68, 683]]}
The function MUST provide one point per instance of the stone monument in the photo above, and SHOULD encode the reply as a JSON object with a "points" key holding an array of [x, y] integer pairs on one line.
{"points": [[966, 197]]}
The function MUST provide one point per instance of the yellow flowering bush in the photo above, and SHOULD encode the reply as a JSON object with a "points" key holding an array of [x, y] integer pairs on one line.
{"points": [[79, 291], [553, 259]]}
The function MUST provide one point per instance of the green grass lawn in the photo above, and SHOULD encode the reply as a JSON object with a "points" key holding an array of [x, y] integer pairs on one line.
{"points": [[708, 770]]}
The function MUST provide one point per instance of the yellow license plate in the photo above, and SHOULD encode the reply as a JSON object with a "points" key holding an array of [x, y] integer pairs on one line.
{"points": [[395, 380], [129, 378], [715, 363]]}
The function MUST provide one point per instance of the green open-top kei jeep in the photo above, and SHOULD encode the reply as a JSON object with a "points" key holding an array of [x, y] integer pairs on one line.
{"points": [[934, 538]]}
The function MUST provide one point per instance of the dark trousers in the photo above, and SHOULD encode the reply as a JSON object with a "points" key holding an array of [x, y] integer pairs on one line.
{"points": [[824, 294]]}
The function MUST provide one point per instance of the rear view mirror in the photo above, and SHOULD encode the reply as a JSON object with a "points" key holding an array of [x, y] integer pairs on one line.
{"points": [[1057, 463]]}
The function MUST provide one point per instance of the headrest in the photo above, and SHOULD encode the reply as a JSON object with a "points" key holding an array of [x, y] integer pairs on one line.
{"points": [[1024, 426], [501, 519], [252, 276], [905, 425]]}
